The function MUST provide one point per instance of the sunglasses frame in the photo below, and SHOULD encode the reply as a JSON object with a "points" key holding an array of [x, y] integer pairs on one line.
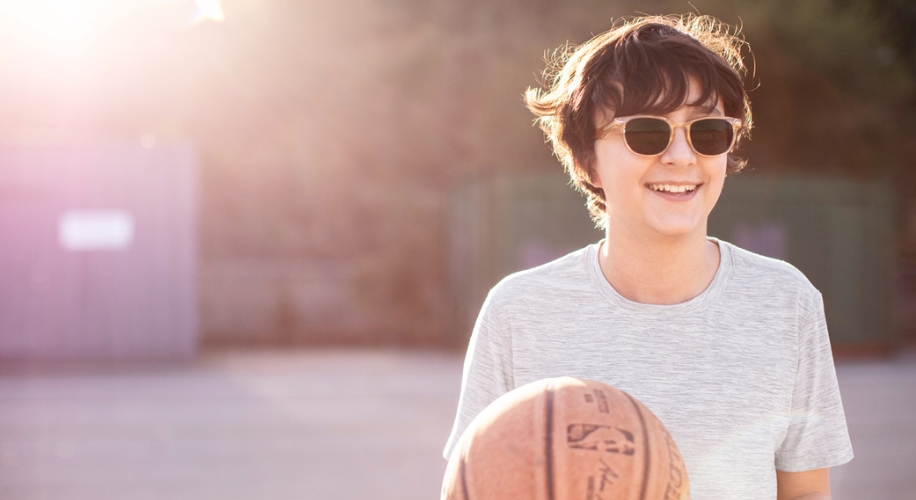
{"points": [[616, 123]]}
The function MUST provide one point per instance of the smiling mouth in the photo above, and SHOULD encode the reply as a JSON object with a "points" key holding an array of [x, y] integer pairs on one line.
{"points": [[673, 189]]}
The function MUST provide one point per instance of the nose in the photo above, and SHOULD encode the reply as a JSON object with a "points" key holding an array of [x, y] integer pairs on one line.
{"points": [[679, 152]]}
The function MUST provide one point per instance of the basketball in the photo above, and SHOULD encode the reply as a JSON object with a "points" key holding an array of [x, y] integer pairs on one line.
{"points": [[566, 439]]}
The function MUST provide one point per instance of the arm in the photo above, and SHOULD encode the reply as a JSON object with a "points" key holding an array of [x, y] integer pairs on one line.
{"points": [[816, 436], [487, 369], [807, 485]]}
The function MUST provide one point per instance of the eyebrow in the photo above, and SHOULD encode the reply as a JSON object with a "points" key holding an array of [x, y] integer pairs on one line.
{"points": [[704, 109], [714, 112]]}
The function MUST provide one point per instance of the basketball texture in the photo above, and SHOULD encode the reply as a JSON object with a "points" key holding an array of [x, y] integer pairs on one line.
{"points": [[566, 439]]}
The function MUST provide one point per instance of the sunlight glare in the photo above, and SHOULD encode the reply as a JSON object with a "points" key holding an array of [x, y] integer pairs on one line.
{"points": [[56, 25], [208, 9], [66, 27]]}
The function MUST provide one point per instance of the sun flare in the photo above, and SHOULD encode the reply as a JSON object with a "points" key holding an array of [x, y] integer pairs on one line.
{"points": [[65, 27], [56, 25]]}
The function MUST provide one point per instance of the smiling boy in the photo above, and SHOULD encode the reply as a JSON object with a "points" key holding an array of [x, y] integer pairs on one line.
{"points": [[729, 348]]}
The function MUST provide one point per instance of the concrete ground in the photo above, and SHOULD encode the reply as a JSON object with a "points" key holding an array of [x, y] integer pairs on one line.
{"points": [[320, 425]]}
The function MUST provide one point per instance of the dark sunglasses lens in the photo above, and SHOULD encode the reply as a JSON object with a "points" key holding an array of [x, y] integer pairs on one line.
{"points": [[711, 137], [647, 136]]}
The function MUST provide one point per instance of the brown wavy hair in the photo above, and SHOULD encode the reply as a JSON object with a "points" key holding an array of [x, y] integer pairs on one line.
{"points": [[642, 65]]}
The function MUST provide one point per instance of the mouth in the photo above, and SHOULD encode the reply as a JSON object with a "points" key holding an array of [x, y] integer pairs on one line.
{"points": [[676, 189]]}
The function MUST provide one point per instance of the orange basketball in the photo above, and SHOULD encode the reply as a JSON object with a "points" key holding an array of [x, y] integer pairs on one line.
{"points": [[566, 439]]}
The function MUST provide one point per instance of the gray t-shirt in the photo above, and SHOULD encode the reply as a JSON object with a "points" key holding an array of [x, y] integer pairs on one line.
{"points": [[741, 375]]}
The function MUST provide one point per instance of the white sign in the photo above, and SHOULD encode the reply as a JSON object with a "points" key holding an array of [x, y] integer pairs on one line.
{"points": [[86, 230]]}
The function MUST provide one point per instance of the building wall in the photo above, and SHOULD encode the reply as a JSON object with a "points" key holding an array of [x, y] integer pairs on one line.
{"points": [[99, 252]]}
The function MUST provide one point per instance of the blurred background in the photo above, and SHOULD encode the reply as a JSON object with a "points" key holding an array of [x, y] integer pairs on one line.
{"points": [[259, 200]]}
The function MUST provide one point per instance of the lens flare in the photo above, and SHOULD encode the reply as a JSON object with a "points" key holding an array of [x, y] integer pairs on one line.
{"points": [[52, 25], [208, 10], [67, 27]]}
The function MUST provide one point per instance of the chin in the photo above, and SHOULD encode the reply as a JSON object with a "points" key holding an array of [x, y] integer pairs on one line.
{"points": [[680, 231], [675, 226]]}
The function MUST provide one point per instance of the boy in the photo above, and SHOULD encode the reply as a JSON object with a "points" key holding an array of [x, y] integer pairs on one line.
{"points": [[728, 348]]}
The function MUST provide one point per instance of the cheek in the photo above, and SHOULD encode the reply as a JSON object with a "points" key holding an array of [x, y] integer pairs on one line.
{"points": [[611, 166], [717, 181], [597, 170], [722, 171], [594, 177]]}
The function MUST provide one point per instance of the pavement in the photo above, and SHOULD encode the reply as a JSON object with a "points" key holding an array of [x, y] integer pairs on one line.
{"points": [[320, 425]]}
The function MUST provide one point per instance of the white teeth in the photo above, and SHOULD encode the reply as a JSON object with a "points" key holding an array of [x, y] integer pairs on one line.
{"points": [[669, 188]]}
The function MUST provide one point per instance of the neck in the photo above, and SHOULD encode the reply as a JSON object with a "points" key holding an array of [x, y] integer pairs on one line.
{"points": [[666, 270]]}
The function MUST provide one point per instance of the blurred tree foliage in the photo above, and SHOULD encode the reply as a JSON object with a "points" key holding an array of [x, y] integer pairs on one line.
{"points": [[835, 94], [833, 83], [376, 117], [337, 130]]}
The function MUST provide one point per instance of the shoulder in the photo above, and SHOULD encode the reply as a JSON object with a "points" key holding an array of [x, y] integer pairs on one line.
{"points": [[566, 275], [761, 271], [771, 285]]}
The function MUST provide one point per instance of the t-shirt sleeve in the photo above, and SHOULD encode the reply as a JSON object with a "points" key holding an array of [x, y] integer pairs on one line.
{"points": [[487, 368], [816, 435]]}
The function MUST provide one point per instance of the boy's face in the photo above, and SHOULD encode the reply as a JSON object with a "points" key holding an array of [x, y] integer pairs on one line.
{"points": [[651, 196]]}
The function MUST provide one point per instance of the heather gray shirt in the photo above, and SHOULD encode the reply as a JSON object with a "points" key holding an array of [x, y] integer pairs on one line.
{"points": [[741, 375]]}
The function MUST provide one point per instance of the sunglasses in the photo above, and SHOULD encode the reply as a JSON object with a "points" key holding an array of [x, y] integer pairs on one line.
{"points": [[651, 135]]}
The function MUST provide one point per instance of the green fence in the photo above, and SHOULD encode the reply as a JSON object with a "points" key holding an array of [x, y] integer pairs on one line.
{"points": [[840, 233], [507, 223]]}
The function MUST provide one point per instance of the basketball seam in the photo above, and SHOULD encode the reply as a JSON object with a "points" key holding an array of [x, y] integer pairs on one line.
{"points": [[464, 479], [548, 444], [646, 450]]}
